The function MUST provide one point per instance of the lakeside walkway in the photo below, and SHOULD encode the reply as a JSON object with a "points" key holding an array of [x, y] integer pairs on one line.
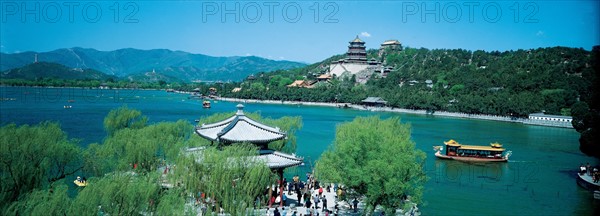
{"points": [[292, 205], [409, 111]]}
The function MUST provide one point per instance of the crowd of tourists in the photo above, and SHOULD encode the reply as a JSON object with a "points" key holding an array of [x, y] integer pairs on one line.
{"points": [[591, 171], [309, 194]]}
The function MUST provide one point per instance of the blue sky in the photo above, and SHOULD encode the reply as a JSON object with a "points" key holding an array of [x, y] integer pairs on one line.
{"points": [[307, 31]]}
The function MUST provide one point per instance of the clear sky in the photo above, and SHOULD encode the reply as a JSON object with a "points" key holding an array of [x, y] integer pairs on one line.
{"points": [[307, 31]]}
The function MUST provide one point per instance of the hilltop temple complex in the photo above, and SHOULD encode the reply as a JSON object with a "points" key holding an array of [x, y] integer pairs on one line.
{"points": [[356, 62]]}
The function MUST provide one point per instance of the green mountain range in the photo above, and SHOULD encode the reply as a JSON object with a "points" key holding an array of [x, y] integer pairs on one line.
{"points": [[132, 62]]}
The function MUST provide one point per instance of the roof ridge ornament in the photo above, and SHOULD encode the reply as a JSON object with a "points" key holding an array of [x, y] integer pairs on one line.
{"points": [[240, 111]]}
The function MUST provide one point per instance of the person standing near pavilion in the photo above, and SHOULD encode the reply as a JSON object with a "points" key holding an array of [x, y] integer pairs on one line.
{"points": [[284, 199], [307, 202], [355, 203], [324, 200], [299, 196]]}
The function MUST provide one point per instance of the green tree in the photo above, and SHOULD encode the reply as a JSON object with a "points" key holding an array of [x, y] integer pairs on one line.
{"points": [[119, 193], [34, 157], [172, 203], [377, 159], [42, 202], [123, 117], [231, 177], [147, 147]]}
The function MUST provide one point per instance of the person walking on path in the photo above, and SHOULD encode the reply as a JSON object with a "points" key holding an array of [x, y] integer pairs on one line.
{"points": [[320, 191], [324, 200]]}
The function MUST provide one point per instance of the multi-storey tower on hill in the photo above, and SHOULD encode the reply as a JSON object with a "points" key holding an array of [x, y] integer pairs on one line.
{"points": [[357, 52]]}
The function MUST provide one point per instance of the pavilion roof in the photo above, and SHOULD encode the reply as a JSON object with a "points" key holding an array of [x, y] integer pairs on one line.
{"points": [[240, 128], [273, 159], [390, 42], [324, 76], [357, 40], [374, 100], [277, 159]]}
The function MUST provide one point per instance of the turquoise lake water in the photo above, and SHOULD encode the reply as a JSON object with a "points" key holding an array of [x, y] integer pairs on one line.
{"points": [[538, 180]]}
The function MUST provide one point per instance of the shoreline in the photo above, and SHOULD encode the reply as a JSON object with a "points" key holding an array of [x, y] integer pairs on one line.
{"points": [[349, 105], [407, 111]]}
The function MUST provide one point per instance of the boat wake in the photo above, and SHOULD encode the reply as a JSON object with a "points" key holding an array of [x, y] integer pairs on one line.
{"points": [[516, 161]]}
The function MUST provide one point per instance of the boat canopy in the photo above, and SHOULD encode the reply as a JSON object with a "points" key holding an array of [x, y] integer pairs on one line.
{"points": [[480, 148], [496, 147], [452, 143]]}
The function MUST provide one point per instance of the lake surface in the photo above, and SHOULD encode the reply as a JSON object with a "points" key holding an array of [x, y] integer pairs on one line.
{"points": [[539, 179]]}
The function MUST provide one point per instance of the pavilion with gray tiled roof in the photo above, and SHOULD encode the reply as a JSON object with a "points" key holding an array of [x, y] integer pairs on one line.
{"points": [[374, 101], [241, 128]]}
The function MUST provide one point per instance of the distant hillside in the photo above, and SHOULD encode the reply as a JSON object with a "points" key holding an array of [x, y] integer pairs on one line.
{"points": [[148, 77], [125, 62], [42, 70]]}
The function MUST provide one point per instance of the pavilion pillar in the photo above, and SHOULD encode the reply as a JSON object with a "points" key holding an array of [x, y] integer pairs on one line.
{"points": [[280, 172]]}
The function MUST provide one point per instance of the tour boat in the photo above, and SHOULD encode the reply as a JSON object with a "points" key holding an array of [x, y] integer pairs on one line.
{"points": [[471, 153], [586, 181], [206, 104]]}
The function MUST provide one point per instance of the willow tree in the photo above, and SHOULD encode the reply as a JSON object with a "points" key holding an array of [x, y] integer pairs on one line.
{"points": [[34, 157], [171, 202], [375, 158], [52, 201], [119, 193], [231, 178], [123, 117], [146, 146], [289, 124]]}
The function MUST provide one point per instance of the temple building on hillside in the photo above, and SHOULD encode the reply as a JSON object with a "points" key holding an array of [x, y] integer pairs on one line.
{"points": [[302, 83], [393, 45], [239, 128], [355, 61], [357, 52], [324, 77], [388, 46], [374, 101]]}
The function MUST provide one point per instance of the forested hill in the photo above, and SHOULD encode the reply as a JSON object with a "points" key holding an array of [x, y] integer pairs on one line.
{"points": [[47, 70], [499, 83]]}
